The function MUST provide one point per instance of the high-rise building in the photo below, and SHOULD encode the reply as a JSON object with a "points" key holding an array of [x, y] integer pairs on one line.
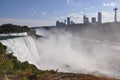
{"points": [[85, 19], [99, 17], [57, 23], [68, 20], [93, 20]]}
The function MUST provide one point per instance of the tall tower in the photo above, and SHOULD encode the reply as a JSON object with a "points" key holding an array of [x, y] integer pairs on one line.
{"points": [[99, 17], [68, 20], [85, 20], [115, 18]]}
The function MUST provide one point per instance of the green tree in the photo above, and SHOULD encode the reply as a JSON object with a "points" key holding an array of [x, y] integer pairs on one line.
{"points": [[2, 49]]}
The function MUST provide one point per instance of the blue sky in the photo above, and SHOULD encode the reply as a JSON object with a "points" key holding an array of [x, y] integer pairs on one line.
{"points": [[46, 12]]}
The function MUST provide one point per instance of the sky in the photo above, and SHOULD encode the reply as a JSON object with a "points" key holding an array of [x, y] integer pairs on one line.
{"points": [[46, 12]]}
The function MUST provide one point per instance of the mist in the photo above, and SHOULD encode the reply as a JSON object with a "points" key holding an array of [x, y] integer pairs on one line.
{"points": [[91, 50]]}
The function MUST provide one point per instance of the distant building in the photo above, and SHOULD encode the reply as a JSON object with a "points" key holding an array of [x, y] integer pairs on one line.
{"points": [[93, 20], [58, 23], [115, 18], [62, 24], [65, 22], [99, 17], [68, 21], [85, 19]]}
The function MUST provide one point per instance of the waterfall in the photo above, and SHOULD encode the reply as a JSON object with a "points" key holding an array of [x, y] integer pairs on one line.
{"points": [[68, 52], [23, 48]]}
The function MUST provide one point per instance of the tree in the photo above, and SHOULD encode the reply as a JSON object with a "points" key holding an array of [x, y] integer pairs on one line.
{"points": [[10, 28]]}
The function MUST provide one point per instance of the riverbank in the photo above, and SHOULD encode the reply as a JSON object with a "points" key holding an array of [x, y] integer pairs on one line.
{"points": [[55, 76]]}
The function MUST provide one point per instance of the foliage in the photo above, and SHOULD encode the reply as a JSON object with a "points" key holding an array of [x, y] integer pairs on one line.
{"points": [[10, 65], [24, 78], [2, 48], [10, 28]]}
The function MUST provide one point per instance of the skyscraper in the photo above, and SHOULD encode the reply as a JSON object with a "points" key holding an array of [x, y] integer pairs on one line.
{"points": [[93, 20], [68, 20], [85, 19], [99, 17]]}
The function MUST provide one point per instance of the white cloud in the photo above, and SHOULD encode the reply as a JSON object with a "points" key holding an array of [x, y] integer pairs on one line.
{"points": [[31, 8], [69, 1], [43, 13], [90, 8], [111, 4], [55, 12], [34, 12], [79, 4], [73, 3], [28, 22], [118, 14], [76, 17], [109, 16]]}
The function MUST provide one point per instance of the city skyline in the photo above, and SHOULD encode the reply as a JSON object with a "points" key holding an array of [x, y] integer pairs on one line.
{"points": [[86, 20], [46, 13]]}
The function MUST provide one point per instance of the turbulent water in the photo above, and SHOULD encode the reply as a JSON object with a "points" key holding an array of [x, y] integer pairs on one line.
{"points": [[68, 52]]}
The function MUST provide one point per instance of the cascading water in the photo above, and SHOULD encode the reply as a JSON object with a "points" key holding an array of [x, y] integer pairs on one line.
{"points": [[68, 52], [23, 48]]}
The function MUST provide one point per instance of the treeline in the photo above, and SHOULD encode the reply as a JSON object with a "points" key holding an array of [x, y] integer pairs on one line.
{"points": [[11, 68], [10, 28]]}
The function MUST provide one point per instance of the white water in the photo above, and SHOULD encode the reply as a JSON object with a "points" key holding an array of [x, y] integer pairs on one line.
{"points": [[68, 52], [23, 48], [15, 34]]}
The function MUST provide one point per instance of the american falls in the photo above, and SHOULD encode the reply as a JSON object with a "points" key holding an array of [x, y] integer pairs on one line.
{"points": [[68, 52]]}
